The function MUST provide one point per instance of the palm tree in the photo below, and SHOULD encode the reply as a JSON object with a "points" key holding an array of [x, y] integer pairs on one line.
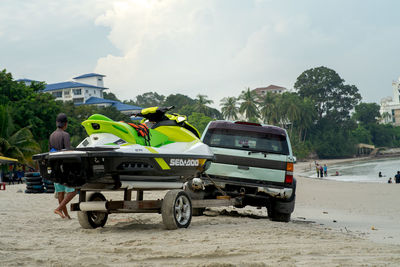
{"points": [[21, 144], [229, 108], [269, 107], [201, 104], [291, 102], [306, 117], [248, 106]]}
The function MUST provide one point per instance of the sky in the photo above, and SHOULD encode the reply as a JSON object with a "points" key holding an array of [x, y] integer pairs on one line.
{"points": [[216, 48]]}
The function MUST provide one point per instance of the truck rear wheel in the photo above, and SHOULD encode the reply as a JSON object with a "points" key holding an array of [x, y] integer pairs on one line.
{"points": [[278, 216]]}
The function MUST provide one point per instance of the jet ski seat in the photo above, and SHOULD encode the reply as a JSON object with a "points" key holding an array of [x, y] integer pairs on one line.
{"points": [[98, 123]]}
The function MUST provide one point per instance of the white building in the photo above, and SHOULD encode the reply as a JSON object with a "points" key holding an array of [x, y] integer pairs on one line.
{"points": [[390, 107], [80, 90], [85, 89]]}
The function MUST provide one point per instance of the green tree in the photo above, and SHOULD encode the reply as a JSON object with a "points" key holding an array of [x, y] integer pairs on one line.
{"points": [[362, 135], [179, 101], [185, 110], [21, 144], [306, 118], [199, 120], [229, 108], [331, 96], [269, 107], [367, 113], [38, 111], [149, 99], [10, 90], [201, 103], [110, 96], [248, 106]]}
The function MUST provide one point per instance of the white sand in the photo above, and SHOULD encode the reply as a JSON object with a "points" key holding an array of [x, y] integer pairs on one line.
{"points": [[31, 235]]}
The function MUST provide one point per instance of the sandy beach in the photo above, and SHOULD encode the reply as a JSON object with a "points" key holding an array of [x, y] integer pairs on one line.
{"points": [[334, 224]]}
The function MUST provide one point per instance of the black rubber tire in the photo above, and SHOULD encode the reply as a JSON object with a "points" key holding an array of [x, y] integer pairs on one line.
{"points": [[33, 191], [93, 219], [35, 187], [32, 174], [176, 209], [198, 211], [278, 217], [33, 179], [34, 183]]}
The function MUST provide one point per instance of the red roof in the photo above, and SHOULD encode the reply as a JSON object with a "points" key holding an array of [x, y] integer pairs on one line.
{"points": [[269, 88]]}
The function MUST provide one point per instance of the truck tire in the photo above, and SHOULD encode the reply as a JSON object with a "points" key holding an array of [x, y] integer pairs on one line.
{"points": [[278, 216]]}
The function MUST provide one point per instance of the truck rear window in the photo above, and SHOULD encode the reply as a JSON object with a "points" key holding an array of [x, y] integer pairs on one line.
{"points": [[245, 140]]}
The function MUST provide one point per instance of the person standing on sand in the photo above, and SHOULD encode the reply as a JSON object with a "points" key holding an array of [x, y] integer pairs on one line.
{"points": [[397, 177], [59, 140], [325, 170], [317, 169], [321, 171]]}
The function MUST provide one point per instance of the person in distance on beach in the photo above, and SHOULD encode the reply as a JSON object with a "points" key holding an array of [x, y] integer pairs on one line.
{"points": [[59, 140], [390, 180], [397, 177]]}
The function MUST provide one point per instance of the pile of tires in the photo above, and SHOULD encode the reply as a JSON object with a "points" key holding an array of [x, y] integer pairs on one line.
{"points": [[34, 183], [48, 186]]}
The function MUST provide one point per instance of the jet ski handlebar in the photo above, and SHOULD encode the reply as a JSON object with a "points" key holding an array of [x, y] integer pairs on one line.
{"points": [[155, 114]]}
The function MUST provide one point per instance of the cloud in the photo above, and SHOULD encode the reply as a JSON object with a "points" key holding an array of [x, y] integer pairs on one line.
{"points": [[191, 47], [212, 47]]}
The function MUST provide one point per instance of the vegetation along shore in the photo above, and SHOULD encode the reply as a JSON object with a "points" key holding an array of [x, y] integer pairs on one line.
{"points": [[323, 115]]}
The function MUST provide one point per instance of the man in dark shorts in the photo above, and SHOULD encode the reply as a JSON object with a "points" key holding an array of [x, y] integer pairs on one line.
{"points": [[59, 140]]}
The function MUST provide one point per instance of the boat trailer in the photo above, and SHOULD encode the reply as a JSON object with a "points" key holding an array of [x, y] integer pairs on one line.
{"points": [[176, 208]]}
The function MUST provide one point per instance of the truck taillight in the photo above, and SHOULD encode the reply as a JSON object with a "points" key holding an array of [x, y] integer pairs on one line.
{"points": [[289, 173]]}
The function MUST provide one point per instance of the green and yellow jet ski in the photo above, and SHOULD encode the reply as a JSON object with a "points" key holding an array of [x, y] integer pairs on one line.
{"points": [[163, 149]]}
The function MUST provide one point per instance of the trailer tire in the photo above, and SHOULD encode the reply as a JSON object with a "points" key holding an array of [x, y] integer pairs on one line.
{"points": [[93, 219], [176, 210]]}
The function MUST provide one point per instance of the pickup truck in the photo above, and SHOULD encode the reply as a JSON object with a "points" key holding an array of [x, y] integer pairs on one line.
{"points": [[252, 161]]}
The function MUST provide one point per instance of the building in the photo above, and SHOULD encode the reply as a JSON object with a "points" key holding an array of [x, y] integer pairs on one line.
{"points": [[262, 91], [27, 82], [80, 90], [123, 108], [85, 89], [390, 107]]}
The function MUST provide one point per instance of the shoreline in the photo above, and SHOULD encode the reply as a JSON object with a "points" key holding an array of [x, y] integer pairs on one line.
{"points": [[368, 209], [305, 166]]}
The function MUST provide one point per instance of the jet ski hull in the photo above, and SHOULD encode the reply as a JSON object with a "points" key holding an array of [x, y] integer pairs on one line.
{"points": [[75, 168]]}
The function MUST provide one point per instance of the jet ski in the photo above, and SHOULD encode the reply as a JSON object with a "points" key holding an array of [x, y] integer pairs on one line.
{"points": [[162, 148]]}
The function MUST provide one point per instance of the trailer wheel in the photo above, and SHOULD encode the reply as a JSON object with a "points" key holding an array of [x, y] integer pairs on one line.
{"points": [[176, 210], [93, 219]]}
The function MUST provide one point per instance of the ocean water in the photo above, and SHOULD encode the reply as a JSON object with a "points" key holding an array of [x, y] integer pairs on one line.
{"points": [[360, 171]]}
